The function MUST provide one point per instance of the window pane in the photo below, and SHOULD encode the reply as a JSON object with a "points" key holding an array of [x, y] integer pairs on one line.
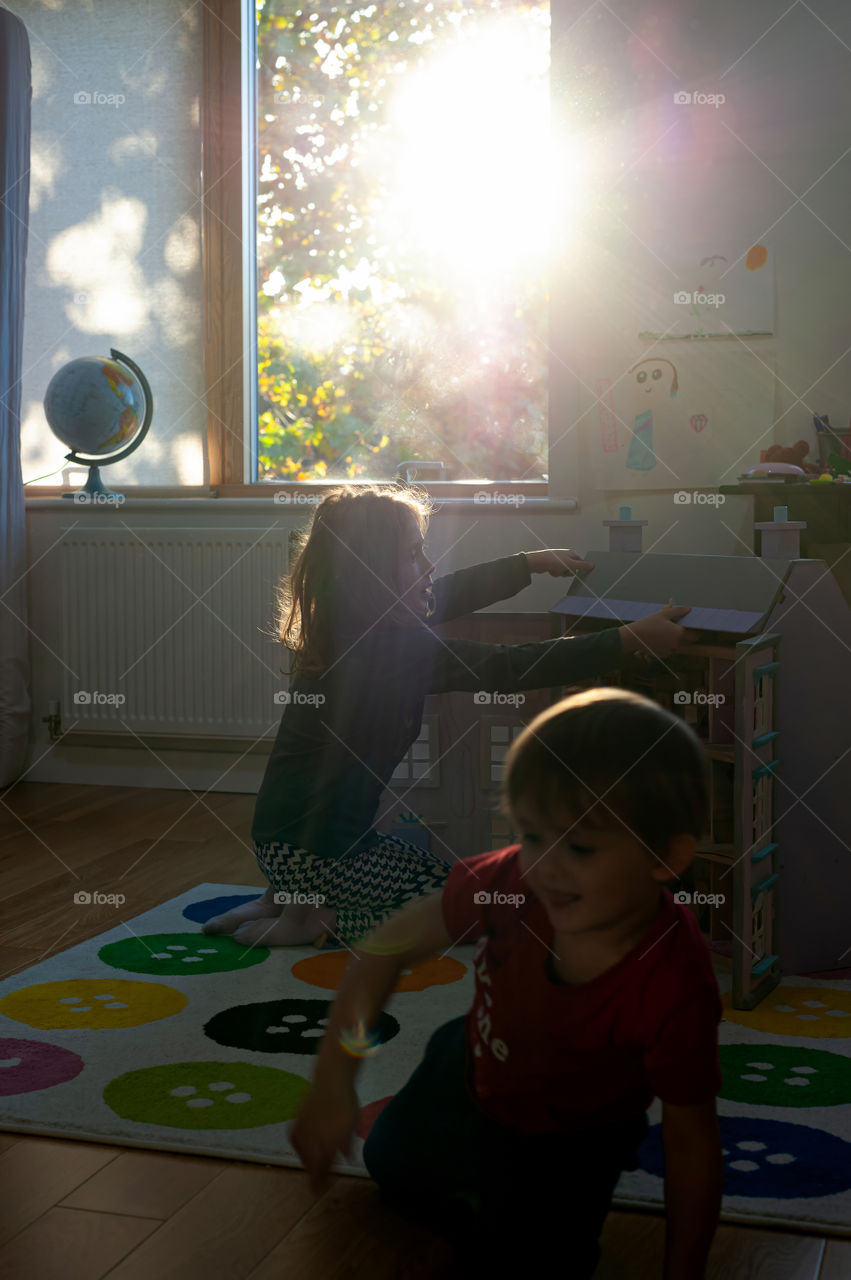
{"points": [[403, 225]]}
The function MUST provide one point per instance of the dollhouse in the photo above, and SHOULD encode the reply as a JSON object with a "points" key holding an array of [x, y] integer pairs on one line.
{"points": [[765, 687]]}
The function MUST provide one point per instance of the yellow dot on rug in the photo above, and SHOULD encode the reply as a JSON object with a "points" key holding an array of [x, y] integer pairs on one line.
{"points": [[93, 1004], [814, 1012]]}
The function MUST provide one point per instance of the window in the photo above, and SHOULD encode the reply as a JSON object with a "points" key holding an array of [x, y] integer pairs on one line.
{"points": [[402, 220], [235, 299]]}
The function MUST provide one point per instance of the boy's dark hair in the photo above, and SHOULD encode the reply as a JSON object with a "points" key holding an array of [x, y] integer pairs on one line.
{"points": [[609, 757]]}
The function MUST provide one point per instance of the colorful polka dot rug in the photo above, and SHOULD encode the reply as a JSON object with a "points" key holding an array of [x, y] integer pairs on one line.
{"points": [[156, 1035]]}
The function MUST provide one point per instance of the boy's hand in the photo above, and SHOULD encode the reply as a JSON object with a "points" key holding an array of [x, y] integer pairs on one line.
{"points": [[324, 1125], [657, 635], [557, 563]]}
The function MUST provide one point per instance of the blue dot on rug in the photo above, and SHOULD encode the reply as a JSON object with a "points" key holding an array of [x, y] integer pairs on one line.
{"points": [[201, 912], [770, 1158]]}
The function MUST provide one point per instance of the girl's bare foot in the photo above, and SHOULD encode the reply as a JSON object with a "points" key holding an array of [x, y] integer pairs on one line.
{"points": [[260, 908], [290, 929]]}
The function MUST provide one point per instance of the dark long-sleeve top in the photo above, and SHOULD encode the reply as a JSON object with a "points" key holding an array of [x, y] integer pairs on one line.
{"points": [[342, 734]]}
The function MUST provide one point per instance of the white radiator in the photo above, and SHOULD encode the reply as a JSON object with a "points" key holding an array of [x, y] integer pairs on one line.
{"points": [[170, 632]]}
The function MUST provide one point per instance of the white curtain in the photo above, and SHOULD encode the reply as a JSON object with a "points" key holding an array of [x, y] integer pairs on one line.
{"points": [[15, 112]]}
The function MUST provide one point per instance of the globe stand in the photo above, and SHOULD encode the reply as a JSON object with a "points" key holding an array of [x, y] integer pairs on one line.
{"points": [[92, 490]]}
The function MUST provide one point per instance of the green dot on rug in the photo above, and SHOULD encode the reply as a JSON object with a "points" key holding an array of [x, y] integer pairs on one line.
{"points": [[180, 953], [778, 1075], [207, 1095]]}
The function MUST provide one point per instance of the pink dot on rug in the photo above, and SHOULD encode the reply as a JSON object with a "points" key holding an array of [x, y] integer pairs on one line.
{"points": [[27, 1065]]}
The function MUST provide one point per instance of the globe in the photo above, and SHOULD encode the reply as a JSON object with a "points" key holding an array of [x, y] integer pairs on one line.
{"points": [[101, 408]]}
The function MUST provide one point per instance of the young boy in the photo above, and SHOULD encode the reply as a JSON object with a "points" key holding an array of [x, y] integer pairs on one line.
{"points": [[594, 994]]}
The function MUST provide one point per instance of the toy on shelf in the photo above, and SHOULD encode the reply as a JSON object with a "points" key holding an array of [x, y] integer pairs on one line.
{"points": [[779, 472], [830, 440], [795, 454]]}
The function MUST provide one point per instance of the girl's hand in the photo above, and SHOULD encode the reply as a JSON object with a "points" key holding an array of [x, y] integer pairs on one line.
{"points": [[657, 635], [324, 1125], [557, 563]]}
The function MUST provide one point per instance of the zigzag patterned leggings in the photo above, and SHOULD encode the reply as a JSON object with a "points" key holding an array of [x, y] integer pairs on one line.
{"points": [[364, 888]]}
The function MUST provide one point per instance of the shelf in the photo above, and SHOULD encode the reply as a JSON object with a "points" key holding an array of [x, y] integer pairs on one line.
{"points": [[721, 751]]}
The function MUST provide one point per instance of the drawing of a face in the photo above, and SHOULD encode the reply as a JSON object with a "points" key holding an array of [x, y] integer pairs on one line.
{"points": [[649, 376], [648, 379]]}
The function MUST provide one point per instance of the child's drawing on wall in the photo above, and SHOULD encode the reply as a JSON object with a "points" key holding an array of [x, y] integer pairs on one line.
{"points": [[710, 291], [703, 299], [699, 421], [650, 381]]}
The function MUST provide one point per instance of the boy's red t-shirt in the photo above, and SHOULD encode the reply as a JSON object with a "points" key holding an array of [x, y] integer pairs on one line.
{"points": [[547, 1057]]}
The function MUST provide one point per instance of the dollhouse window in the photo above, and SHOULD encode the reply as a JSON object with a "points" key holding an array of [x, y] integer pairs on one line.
{"points": [[495, 739], [419, 766]]}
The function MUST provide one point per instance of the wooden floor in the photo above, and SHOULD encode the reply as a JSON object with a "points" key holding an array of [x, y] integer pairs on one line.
{"points": [[81, 1211]]}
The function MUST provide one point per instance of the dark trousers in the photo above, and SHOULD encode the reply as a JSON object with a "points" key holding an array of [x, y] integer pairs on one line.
{"points": [[538, 1198]]}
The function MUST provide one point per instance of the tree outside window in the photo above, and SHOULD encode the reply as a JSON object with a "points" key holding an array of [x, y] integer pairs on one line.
{"points": [[402, 239]]}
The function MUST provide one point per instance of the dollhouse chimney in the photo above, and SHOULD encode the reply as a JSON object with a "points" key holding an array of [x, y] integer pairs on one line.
{"points": [[625, 533], [781, 537]]}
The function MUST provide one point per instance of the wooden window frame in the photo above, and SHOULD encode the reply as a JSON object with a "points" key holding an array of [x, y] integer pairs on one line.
{"points": [[222, 243]]}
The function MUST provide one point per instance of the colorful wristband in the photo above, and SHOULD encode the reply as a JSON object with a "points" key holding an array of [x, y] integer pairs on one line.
{"points": [[359, 1043]]}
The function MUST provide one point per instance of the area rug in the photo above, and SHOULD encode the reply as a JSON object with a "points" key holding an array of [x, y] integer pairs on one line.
{"points": [[154, 1035]]}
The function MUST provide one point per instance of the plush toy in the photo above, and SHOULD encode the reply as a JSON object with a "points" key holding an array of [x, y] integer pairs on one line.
{"points": [[795, 453]]}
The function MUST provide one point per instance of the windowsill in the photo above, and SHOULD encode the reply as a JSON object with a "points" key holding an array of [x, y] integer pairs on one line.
{"points": [[483, 497], [504, 504]]}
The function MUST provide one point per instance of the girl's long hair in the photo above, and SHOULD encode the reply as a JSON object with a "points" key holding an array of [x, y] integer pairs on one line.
{"points": [[345, 577]]}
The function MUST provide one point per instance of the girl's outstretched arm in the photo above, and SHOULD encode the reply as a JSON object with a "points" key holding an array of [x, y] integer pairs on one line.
{"points": [[443, 665], [468, 590]]}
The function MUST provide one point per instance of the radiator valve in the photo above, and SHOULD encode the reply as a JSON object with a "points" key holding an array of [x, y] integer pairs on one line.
{"points": [[53, 720]]}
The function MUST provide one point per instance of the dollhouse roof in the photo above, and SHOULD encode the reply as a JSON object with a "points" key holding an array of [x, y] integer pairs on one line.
{"points": [[726, 593]]}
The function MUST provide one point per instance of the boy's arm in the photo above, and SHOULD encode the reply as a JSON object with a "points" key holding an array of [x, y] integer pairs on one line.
{"points": [[329, 1111], [413, 934], [694, 1176]]}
